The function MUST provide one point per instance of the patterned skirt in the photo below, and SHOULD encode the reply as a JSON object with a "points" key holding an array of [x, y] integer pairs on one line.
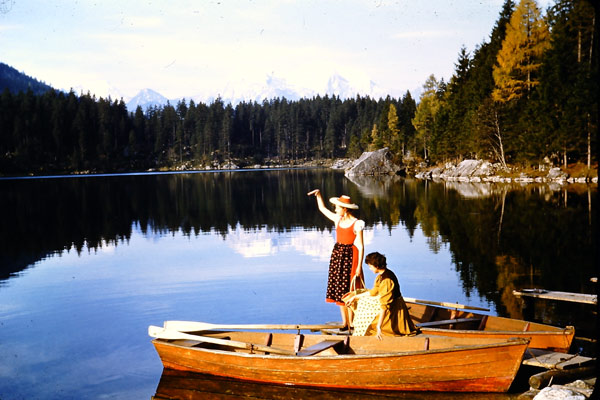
{"points": [[340, 272]]}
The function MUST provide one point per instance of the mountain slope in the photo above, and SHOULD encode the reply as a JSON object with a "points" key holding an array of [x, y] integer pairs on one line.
{"points": [[17, 81]]}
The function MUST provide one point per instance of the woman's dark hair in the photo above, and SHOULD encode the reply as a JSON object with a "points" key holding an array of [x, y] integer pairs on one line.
{"points": [[377, 260]]}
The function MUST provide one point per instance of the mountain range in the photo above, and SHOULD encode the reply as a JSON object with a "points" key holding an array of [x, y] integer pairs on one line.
{"points": [[272, 87]]}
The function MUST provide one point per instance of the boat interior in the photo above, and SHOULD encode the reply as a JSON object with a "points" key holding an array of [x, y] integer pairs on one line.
{"points": [[305, 345], [428, 316]]}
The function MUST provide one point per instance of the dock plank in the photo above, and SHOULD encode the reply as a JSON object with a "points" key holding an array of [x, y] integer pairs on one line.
{"points": [[555, 360], [559, 296]]}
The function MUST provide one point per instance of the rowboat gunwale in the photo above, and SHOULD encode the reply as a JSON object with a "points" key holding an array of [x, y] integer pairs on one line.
{"points": [[511, 342]]}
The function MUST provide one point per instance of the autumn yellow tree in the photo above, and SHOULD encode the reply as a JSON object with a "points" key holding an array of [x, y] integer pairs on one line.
{"points": [[393, 129], [376, 138], [424, 119], [519, 59]]}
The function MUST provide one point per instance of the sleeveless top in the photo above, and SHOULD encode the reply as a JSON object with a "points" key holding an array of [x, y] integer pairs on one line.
{"points": [[345, 235]]}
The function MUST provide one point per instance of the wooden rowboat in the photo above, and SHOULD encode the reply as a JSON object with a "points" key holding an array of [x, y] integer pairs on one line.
{"points": [[419, 363], [435, 320]]}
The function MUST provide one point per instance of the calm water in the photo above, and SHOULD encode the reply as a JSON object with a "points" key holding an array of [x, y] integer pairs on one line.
{"points": [[87, 263]]}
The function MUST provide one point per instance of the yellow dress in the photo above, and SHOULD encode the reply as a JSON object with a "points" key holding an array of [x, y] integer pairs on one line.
{"points": [[397, 320]]}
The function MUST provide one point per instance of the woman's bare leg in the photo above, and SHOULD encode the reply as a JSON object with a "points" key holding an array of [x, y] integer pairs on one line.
{"points": [[345, 319]]}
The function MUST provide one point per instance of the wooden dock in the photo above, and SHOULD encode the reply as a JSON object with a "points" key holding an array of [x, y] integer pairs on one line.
{"points": [[554, 360], [559, 296], [559, 367]]}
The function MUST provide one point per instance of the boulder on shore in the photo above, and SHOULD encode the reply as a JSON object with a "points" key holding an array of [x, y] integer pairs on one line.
{"points": [[376, 162]]}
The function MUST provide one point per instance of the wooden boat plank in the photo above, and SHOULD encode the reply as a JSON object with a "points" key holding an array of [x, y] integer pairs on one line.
{"points": [[555, 360], [319, 347], [447, 322]]}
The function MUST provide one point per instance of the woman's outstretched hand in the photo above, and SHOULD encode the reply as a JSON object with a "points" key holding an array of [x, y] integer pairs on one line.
{"points": [[314, 192]]}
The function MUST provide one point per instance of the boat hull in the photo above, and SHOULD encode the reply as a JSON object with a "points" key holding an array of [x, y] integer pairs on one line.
{"points": [[480, 368]]}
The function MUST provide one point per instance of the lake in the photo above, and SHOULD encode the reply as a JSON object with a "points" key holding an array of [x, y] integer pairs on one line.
{"points": [[88, 262]]}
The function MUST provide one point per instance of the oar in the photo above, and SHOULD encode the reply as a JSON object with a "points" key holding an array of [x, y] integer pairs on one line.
{"points": [[445, 304], [196, 326], [169, 334]]}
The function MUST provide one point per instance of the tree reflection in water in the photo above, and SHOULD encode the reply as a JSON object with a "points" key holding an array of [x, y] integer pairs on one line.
{"points": [[501, 237]]}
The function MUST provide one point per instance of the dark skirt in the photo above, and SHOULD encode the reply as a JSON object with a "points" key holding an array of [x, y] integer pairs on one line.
{"points": [[340, 273]]}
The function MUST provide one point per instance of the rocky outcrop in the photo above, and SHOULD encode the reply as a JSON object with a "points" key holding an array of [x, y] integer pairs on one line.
{"points": [[484, 171], [466, 171], [376, 162]]}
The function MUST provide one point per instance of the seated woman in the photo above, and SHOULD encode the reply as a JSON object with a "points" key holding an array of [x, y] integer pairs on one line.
{"points": [[394, 319]]}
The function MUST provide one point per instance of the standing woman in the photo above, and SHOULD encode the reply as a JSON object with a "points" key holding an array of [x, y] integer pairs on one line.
{"points": [[346, 259]]}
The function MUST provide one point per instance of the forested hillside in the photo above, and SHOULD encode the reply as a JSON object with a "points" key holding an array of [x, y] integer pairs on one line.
{"points": [[528, 94], [16, 81]]}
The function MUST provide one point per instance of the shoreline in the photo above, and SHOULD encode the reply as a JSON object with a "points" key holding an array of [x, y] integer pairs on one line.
{"points": [[478, 171], [467, 171]]}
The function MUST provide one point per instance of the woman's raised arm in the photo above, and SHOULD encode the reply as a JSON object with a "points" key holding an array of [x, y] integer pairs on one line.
{"points": [[326, 212]]}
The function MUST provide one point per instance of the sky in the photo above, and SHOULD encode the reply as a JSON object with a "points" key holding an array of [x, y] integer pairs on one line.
{"points": [[187, 49]]}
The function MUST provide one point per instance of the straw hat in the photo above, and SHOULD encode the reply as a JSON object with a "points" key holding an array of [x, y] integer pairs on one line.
{"points": [[343, 201]]}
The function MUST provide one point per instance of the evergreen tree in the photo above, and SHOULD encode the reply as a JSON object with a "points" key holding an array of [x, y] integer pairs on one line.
{"points": [[569, 84]]}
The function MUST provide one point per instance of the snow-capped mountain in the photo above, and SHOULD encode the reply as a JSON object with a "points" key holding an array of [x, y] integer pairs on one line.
{"points": [[272, 87], [146, 98], [342, 87]]}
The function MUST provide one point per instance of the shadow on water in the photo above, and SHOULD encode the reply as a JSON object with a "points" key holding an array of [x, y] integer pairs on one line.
{"points": [[191, 386]]}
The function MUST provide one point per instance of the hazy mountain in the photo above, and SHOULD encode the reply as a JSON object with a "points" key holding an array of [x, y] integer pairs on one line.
{"points": [[344, 89], [272, 87], [17, 81], [146, 98], [276, 87]]}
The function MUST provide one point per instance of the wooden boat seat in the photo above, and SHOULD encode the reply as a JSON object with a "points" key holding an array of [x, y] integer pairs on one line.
{"points": [[319, 347], [433, 324]]}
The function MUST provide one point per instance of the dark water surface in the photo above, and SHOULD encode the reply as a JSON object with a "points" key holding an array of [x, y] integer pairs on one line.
{"points": [[87, 263]]}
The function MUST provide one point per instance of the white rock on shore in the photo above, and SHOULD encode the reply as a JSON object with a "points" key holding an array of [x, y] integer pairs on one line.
{"points": [[376, 162], [484, 171]]}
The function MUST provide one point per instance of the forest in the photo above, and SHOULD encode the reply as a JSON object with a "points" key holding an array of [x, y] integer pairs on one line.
{"points": [[527, 95]]}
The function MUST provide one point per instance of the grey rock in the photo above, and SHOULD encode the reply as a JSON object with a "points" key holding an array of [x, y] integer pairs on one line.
{"points": [[376, 162], [557, 174]]}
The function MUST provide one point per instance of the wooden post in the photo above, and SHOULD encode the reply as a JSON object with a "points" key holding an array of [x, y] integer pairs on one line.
{"points": [[541, 380]]}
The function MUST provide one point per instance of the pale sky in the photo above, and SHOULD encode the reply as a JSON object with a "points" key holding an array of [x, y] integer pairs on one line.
{"points": [[190, 48]]}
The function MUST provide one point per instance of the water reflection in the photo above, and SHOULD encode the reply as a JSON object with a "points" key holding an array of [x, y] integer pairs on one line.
{"points": [[501, 237], [184, 385], [107, 256]]}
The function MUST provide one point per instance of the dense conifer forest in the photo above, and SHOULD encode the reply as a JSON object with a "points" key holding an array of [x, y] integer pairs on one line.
{"points": [[527, 95]]}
